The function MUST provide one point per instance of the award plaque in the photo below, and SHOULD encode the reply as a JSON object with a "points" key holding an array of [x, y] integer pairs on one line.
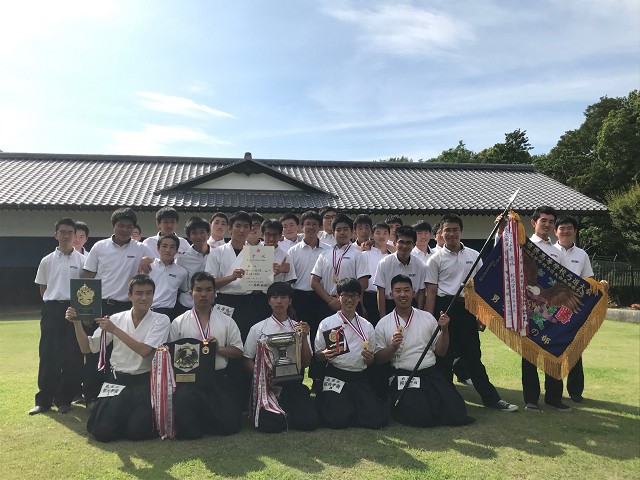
{"points": [[86, 298], [334, 338], [193, 361], [285, 368]]}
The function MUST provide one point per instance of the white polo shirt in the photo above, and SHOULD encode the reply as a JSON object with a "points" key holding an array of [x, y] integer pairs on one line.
{"points": [[576, 260], [546, 246], [193, 261], [423, 256], [352, 361], [221, 326], [327, 238], [153, 331], [303, 258], [55, 271], [169, 279], [448, 269], [213, 243], [285, 244], [152, 243], [390, 266], [345, 262], [115, 265], [280, 256], [221, 262], [416, 336], [269, 326], [373, 257]]}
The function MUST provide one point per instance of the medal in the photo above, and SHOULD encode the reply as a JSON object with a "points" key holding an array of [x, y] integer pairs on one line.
{"points": [[205, 348], [336, 279], [365, 345], [337, 262], [400, 329], [333, 336]]}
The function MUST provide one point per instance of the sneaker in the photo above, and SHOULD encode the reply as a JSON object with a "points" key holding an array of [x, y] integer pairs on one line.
{"points": [[576, 398], [38, 409], [468, 382], [561, 407], [532, 407], [504, 406]]}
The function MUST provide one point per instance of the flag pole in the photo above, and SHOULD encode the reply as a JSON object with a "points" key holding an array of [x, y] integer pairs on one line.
{"points": [[464, 282]]}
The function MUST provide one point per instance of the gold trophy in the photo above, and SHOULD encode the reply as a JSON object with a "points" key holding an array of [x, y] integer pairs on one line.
{"points": [[284, 369]]}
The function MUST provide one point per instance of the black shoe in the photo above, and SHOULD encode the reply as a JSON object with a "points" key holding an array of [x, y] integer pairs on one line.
{"points": [[559, 406], [38, 409], [64, 408], [78, 399], [92, 405], [576, 398]]}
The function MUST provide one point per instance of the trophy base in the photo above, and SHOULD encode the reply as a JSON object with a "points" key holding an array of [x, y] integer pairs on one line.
{"points": [[285, 373]]}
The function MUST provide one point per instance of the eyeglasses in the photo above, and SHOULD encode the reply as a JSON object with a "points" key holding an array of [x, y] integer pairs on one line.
{"points": [[349, 296]]}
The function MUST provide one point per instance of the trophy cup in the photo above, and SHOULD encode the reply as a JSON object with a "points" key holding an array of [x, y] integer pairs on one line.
{"points": [[284, 369]]}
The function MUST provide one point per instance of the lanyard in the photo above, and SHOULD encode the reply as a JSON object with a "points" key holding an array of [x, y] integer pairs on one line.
{"points": [[203, 334], [282, 323], [397, 319], [338, 263], [359, 331]]}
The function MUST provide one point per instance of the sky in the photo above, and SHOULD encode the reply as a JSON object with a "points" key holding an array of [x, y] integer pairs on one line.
{"points": [[299, 79]]}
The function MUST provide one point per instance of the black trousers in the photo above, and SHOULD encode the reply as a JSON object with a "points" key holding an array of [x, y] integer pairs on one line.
{"points": [[60, 367], [248, 309], [300, 411], [370, 302], [125, 416], [310, 308], [531, 385], [464, 342], [575, 380], [355, 405]]}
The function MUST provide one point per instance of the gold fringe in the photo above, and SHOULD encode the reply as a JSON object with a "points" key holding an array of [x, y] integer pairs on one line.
{"points": [[557, 367]]}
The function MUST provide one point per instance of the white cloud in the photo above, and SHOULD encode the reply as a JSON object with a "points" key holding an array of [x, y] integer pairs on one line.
{"points": [[402, 29], [160, 102], [155, 139]]}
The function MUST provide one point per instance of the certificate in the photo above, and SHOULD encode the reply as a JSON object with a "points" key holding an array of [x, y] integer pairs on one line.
{"points": [[257, 263], [86, 298]]}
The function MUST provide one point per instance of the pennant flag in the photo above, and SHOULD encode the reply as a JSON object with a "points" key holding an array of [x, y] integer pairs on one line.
{"points": [[539, 308]]}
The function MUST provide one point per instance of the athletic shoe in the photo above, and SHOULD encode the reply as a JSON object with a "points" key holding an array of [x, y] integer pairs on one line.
{"points": [[561, 407], [38, 409], [532, 407], [504, 406], [576, 398]]}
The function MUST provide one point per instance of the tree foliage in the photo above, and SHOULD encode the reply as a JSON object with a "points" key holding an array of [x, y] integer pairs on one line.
{"points": [[458, 154], [624, 208]]}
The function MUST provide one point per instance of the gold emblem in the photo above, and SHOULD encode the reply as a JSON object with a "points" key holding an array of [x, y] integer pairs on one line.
{"points": [[333, 336], [205, 348], [365, 345], [85, 295], [400, 329], [299, 330]]}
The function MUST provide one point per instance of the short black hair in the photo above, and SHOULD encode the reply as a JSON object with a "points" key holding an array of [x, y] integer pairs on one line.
{"points": [[566, 220], [327, 209], [202, 277], [400, 278], [290, 216], [240, 216], [280, 289], [349, 285], [82, 226], [169, 213], [406, 231], [383, 225], [196, 222], [436, 228], [362, 219], [451, 218], [256, 217], [394, 219], [546, 209], [422, 226], [141, 279], [66, 221], [138, 227], [124, 213], [170, 236], [219, 215], [341, 218], [311, 215], [273, 224]]}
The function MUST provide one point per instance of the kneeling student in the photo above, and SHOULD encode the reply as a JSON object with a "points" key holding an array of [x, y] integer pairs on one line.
{"points": [[213, 409], [293, 408], [401, 337], [347, 398], [123, 407]]}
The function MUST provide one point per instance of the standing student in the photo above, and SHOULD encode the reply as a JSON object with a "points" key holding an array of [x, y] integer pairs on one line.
{"points": [[135, 335], [115, 261], [254, 235], [401, 337], [423, 235], [214, 409], [283, 270], [298, 408], [81, 237], [400, 262], [194, 259], [377, 252], [170, 278], [437, 235], [219, 224], [167, 223], [60, 367], [290, 231], [347, 398], [394, 222], [446, 270], [328, 214], [362, 226], [136, 234], [577, 261]]}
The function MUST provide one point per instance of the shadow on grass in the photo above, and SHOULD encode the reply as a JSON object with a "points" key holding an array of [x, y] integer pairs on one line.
{"points": [[603, 429]]}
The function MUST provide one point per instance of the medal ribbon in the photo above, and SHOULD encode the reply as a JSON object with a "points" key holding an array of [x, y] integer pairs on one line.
{"points": [[203, 334], [397, 319], [336, 264], [359, 331], [293, 327]]}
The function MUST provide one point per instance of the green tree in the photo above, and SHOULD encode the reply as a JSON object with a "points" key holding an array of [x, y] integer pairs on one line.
{"points": [[515, 149], [624, 209], [402, 159], [458, 154]]}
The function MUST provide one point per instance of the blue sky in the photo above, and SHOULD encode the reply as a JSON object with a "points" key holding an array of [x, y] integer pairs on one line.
{"points": [[326, 80]]}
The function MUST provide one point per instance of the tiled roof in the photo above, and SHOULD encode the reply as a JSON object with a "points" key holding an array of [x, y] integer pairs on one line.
{"points": [[59, 181]]}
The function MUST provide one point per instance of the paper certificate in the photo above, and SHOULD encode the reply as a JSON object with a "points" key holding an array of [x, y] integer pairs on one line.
{"points": [[257, 263]]}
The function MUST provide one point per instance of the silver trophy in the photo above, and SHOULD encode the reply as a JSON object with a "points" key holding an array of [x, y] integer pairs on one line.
{"points": [[284, 368]]}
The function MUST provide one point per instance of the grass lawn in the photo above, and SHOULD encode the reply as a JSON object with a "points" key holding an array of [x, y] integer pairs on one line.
{"points": [[599, 439]]}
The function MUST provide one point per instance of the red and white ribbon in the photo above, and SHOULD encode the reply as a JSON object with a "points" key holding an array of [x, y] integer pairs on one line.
{"points": [[163, 385], [262, 397], [359, 331], [337, 262], [514, 292], [204, 335], [397, 318], [103, 351]]}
